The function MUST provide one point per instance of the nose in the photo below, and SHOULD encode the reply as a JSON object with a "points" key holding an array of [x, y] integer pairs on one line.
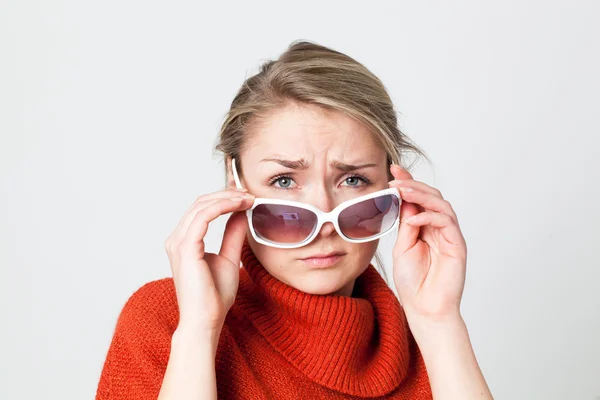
{"points": [[327, 229], [324, 200]]}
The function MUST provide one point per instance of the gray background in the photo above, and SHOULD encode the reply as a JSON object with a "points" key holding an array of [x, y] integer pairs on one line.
{"points": [[109, 111]]}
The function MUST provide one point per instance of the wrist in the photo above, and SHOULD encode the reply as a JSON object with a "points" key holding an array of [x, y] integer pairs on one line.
{"points": [[187, 335], [436, 321], [435, 334], [446, 348]]}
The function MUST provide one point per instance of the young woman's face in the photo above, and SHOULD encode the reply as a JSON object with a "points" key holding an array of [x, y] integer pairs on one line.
{"points": [[322, 140]]}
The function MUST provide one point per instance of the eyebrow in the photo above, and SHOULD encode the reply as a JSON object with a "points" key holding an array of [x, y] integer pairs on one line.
{"points": [[303, 164]]}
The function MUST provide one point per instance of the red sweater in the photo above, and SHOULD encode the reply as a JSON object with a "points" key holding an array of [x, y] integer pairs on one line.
{"points": [[277, 343]]}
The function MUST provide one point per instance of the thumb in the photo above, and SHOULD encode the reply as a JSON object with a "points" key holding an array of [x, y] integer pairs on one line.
{"points": [[407, 234], [233, 237]]}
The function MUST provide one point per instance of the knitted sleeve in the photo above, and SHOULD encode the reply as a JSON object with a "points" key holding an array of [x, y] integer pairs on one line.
{"points": [[139, 351]]}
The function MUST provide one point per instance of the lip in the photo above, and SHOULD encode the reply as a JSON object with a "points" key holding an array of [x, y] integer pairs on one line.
{"points": [[323, 260], [324, 255]]}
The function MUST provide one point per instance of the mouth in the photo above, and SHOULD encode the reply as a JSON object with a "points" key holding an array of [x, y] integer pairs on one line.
{"points": [[323, 259]]}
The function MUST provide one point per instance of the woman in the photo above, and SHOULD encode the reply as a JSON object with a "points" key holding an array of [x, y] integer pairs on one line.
{"points": [[312, 148]]}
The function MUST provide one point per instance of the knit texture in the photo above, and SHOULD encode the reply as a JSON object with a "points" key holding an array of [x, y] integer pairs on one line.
{"points": [[277, 343]]}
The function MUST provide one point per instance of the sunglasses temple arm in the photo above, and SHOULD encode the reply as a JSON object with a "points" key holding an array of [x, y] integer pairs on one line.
{"points": [[238, 184]]}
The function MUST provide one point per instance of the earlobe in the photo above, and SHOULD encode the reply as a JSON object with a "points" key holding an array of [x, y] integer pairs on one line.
{"points": [[230, 181]]}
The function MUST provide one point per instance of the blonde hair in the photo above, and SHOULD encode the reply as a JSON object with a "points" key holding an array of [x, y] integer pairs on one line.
{"points": [[309, 73]]}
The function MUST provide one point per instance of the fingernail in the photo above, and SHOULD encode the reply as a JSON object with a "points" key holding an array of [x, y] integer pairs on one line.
{"points": [[405, 189], [248, 196], [241, 189]]}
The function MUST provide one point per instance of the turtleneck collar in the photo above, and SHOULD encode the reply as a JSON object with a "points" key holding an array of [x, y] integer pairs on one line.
{"points": [[355, 345]]}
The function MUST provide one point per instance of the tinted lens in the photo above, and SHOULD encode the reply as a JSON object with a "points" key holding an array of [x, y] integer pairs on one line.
{"points": [[283, 224], [369, 217]]}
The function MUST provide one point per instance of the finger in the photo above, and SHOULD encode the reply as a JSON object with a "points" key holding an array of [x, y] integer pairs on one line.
{"points": [[448, 228], [428, 201], [404, 178], [223, 276], [221, 194], [199, 225], [233, 238], [415, 185], [183, 225], [407, 234], [400, 173]]}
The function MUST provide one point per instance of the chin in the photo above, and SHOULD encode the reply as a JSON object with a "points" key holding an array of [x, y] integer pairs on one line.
{"points": [[318, 287], [321, 281]]}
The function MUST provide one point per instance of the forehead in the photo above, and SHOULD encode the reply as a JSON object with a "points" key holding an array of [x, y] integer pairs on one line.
{"points": [[312, 132]]}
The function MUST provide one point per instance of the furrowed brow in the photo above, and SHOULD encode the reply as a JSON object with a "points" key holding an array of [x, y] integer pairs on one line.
{"points": [[349, 167], [292, 164], [303, 164]]}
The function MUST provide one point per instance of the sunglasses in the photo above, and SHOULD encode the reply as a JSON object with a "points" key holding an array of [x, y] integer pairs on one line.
{"points": [[290, 224]]}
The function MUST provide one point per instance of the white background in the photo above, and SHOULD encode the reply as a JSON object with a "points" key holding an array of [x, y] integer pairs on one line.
{"points": [[108, 115]]}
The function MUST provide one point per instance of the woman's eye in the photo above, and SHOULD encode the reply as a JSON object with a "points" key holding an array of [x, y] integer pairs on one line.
{"points": [[352, 181], [284, 182], [355, 181]]}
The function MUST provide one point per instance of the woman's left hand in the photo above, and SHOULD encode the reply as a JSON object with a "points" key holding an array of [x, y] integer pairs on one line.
{"points": [[430, 252]]}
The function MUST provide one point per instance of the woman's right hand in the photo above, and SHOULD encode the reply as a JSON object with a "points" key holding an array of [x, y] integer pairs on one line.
{"points": [[206, 283]]}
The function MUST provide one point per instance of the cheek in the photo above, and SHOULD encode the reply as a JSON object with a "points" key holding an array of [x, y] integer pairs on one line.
{"points": [[272, 258], [363, 251]]}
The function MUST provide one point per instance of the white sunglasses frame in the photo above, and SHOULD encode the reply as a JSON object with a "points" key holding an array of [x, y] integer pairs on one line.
{"points": [[322, 216]]}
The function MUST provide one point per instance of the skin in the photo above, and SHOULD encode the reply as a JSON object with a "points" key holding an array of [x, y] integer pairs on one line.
{"points": [[319, 138]]}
